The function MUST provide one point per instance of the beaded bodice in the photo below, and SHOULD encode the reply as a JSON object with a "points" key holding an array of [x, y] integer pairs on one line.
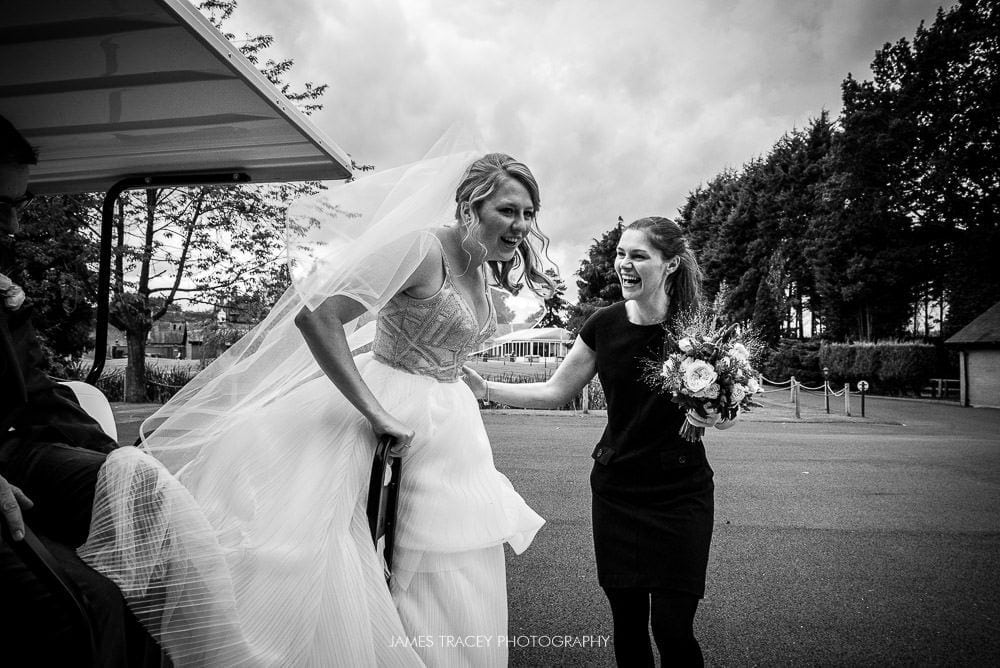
{"points": [[431, 336]]}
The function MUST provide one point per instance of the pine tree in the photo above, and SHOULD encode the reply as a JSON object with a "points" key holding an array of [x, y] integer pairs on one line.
{"points": [[554, 305], [598, 285]]}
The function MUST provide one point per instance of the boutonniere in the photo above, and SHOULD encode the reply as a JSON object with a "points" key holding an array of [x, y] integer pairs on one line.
{"points": [[11, 293]]}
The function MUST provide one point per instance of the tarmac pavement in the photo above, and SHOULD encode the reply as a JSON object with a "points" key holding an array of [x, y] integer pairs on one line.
{"points": [[838, 541]]}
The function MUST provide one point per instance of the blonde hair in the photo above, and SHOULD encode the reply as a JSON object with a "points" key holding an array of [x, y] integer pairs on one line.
{"points": [[481, 180]]}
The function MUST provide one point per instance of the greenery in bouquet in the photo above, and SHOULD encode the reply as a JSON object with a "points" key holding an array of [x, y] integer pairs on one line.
{"points": [[707, 365]]}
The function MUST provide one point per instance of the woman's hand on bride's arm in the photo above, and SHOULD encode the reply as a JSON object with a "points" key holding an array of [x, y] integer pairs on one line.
{"points": [[573, 373], [475, 382]]}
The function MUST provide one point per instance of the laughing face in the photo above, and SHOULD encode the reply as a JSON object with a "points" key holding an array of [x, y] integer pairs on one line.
{"points": [[641, 268], [504, 219]]}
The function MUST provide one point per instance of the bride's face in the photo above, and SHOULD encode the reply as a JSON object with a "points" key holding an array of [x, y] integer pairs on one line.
{"points": [[641, 267], [504, 220]]}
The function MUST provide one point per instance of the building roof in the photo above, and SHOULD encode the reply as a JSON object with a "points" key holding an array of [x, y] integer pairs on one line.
{"points": [[538, 334], [983, 331], [108, 90]]}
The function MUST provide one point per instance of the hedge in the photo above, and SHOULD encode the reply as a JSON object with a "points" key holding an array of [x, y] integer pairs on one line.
{"points": [[793, 357], [889, 367]]}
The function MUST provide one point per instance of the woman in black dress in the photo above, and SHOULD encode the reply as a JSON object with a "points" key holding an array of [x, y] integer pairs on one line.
{"points": [[652, 490]]}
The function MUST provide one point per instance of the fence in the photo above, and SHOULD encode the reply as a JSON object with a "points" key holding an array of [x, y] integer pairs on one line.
{"points": [[160, 383], [795, 390], [592, 395]]}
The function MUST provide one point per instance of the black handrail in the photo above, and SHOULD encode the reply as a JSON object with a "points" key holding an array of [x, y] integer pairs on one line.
{"points": [[382, 498]]}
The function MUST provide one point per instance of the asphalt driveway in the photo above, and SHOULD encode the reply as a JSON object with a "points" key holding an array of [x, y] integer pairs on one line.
{"points": [[838, 541]]}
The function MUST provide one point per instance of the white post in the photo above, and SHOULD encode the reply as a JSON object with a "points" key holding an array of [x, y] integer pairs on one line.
{"points": [[847, 399], [791, 389], [798, 413], [585, 399]]}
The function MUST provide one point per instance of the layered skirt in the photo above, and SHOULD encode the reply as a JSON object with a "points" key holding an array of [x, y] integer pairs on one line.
{"points": [[258, 552]]}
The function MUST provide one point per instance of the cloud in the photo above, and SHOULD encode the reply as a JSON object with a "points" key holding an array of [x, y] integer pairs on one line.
{"points": [[619, 108]]}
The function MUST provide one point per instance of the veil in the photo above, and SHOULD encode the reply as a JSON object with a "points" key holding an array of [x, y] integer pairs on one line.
{"points": [[362, 239]]}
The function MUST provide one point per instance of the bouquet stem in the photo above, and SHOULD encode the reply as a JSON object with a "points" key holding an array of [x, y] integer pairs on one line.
{"points": [[691, 433]]}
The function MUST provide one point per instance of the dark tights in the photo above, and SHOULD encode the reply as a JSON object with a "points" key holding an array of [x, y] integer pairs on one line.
{"points": [[672, 616]]}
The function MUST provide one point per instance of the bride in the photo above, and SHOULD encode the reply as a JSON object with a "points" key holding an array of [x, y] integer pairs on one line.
{"points": [[260, 554]]}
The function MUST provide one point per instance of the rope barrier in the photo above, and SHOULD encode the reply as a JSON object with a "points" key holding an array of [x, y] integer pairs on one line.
{"points": [[810, 389], [825, 390]]}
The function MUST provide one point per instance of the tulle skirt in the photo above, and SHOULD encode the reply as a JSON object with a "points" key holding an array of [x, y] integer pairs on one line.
{"points": [[261, 554]]}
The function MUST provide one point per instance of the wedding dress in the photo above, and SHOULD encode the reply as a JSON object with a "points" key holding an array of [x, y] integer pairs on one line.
{"points": [[244, 541]]}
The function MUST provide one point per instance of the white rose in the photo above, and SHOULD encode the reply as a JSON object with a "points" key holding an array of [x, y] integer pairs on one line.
{"points": [[753, 386], [685, 345], [710, 392], [740, 352], [738, 393], [699, 375], [5, 283]]}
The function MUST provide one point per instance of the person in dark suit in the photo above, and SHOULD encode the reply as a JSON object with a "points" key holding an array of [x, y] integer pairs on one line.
{"points": [[50, 455]]}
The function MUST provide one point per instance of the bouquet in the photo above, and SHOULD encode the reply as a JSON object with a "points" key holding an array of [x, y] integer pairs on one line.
{"points": [[707, 366]]}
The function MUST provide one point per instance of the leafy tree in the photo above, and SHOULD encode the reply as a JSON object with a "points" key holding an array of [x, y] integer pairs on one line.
{"points": [[800, 168], [766, 319], [217, 245], [923, 134], [54, 247], [598, 281]]}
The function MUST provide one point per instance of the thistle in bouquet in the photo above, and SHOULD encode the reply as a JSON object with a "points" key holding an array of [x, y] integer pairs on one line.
{"points": [[707, 365]]}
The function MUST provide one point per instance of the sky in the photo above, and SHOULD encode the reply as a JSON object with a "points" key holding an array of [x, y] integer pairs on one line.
{"points": [[620, 108]]}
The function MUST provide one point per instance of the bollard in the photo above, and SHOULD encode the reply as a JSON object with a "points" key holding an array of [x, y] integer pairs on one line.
{"points": [[791, 389], [798, 414], [585, 399], [847, 399], [862, 387]]}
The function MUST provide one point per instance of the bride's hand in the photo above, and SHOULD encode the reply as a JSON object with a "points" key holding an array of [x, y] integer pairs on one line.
{"points": [[474, 381], [387, 425]]}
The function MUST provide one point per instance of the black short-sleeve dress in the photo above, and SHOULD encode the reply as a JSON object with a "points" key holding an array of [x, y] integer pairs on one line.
{"points": [[653, 495]]}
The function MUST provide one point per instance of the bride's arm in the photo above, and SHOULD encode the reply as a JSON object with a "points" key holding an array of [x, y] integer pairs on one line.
{"points": [[323, 330], [575, 371]]}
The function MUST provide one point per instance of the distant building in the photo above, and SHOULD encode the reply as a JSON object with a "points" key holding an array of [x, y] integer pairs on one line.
{"points": [[184, 335], [542, 342], [978, 346], [167, 338]]}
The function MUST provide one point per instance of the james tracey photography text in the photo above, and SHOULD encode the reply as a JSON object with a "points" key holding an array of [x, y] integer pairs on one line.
{"points": [[499, 641]]}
